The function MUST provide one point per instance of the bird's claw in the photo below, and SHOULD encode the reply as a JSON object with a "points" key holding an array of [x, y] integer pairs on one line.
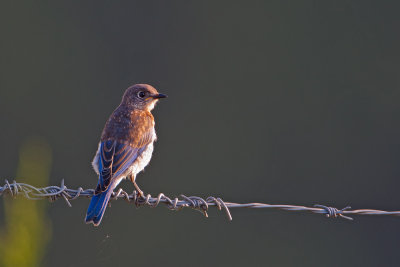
{"points": [[140, 193]]}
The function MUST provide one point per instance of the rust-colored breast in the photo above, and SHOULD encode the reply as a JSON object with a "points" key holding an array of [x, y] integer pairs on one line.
{"points": [[133, 127]]}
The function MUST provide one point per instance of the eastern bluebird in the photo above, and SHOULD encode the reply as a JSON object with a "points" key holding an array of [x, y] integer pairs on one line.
{"points": [[125, 147]]}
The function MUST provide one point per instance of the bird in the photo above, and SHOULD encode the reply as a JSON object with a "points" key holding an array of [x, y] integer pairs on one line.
{"points": [[125, 147]]}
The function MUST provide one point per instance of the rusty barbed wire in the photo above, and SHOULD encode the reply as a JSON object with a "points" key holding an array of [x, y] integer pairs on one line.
{"points": [[197, 203]]}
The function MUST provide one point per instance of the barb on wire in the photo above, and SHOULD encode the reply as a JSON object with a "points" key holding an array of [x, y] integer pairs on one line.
{"points": [[197, 203]]}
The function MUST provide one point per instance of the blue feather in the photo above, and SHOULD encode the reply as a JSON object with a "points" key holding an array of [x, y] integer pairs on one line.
{"points": [[98, 206], [114, 161]]}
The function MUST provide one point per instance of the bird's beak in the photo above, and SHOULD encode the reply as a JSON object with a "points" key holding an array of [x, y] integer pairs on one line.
{"points": [[159, 96]]}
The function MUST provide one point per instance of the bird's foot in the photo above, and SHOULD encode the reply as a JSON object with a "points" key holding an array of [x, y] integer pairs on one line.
{"points": [[139, 192]]}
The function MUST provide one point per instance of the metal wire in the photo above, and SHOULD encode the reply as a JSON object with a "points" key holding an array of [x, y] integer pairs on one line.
{"points": [[197, 203]]}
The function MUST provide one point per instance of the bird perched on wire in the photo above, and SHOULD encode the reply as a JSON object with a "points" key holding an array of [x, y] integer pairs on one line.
{"points": [[125, 147]]}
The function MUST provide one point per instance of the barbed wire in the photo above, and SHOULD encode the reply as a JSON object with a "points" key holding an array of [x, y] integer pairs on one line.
{"points": [[197, 203]]}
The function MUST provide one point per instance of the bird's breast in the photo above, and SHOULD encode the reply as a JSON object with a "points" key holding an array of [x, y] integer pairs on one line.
{"points": [[131, 127]]}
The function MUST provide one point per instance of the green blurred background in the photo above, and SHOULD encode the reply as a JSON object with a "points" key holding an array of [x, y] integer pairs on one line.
{"points": [[285, 102]]}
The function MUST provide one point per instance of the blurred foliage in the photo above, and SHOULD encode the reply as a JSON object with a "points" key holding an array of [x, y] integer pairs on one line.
{"points": [[27, 229]]}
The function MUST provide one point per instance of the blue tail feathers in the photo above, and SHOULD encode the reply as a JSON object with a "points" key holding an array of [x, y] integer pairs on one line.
{"points": [[98, 206]]}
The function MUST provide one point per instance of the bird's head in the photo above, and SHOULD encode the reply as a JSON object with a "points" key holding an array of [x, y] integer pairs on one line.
{"points": [[141, 96]]}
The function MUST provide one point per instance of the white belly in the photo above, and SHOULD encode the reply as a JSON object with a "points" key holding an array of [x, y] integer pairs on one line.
{"points": [[142, 161]]}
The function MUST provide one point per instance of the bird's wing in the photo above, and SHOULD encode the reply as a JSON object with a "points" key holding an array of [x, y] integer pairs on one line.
{"points": [[115, 158]]}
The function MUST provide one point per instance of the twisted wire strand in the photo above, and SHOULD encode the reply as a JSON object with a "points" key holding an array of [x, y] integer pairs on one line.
{"points": [[197, 203]]}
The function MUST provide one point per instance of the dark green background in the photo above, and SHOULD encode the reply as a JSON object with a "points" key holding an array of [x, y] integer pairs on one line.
{"points": [[284, 102]]}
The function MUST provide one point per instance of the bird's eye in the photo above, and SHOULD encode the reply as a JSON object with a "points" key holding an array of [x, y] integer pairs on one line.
{"points": [[141, 94]]}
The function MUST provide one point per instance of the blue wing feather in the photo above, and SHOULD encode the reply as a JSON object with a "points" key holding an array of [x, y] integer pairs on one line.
{"points": [[114, 160]]}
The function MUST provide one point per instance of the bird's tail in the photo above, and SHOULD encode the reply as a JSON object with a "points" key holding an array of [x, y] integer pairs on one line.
{"points": [[98, 205]]}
